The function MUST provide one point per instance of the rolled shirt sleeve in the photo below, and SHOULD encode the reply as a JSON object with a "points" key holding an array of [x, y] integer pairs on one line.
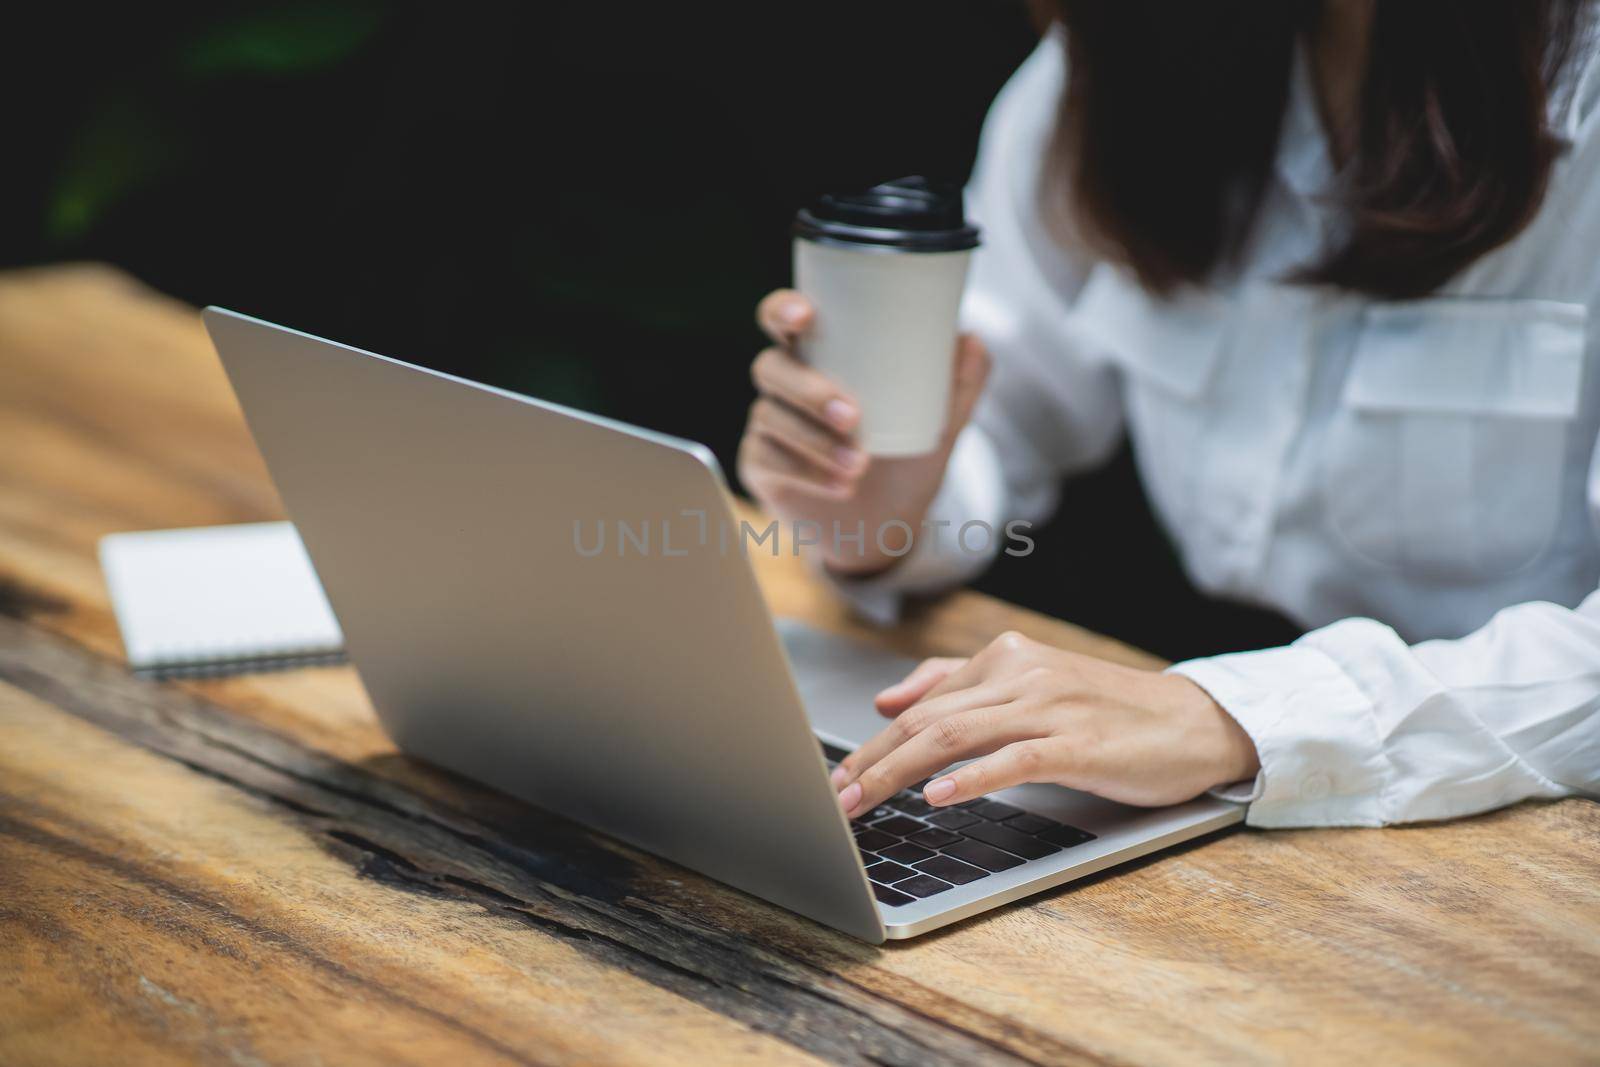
{"points": [[1355, 728]]}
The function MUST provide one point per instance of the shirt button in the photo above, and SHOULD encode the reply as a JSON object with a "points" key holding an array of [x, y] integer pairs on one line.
{"points": [[1316, 786]]}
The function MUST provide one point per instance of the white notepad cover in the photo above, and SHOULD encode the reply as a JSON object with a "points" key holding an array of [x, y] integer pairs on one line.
{"points": [[217, 595]]}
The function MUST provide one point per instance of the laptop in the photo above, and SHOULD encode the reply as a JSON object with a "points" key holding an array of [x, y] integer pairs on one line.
{"points": [[563, 607]]}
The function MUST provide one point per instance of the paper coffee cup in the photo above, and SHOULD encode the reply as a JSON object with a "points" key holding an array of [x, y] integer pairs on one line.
{"points": [[884, 270]]}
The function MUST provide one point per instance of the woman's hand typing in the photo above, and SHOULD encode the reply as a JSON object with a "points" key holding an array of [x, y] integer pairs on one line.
{"points": [[1023, 711]]}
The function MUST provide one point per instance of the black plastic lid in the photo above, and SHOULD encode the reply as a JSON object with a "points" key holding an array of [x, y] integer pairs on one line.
{"points": [[909, 214]]}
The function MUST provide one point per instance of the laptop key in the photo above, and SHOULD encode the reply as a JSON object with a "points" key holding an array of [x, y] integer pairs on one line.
{"points": [[932, 838], [881, 812], [952, 870], [906, 852], [892, 897], [953, 819], [1030, 824], [996, 810], [874, 841], [1065, 836], [980, 855], [910, 805], [899, 826], [922, 885], [990, 833], [886, 872], [833, 752]]}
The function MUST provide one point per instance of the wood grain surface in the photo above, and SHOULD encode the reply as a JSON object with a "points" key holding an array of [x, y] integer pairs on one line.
{"points": [[245, 870]]}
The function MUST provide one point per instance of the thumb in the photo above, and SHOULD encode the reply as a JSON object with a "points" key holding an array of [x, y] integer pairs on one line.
{"points": [[970, 372]]}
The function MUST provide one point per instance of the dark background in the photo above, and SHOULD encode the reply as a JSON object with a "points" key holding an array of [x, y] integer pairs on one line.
{"points": [[580, 201]]}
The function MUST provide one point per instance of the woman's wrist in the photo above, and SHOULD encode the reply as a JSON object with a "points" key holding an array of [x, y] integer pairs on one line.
{"points": [[1231, 754]]}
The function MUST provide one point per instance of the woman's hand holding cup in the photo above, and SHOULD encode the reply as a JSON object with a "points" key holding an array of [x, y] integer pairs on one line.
{"points": [[801, 458]]}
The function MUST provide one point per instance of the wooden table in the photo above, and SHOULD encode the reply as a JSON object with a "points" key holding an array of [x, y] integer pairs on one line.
{"points": [[246, 870]]}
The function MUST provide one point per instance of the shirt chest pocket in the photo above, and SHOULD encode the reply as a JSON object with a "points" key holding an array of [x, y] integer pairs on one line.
{"points": [[1445, 456]]}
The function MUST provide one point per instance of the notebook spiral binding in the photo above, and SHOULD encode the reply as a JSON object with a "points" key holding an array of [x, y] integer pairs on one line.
{"points": [[244, 665]]}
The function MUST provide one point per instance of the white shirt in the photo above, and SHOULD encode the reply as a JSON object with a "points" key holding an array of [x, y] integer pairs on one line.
{"points": [[1418, 481]]}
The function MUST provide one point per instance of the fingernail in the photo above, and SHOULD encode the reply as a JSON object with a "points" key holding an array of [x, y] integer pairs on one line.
{"points": [[794, 313], [847, 457], [839, 777], [850, 797], [841, 413], [940, 789]]}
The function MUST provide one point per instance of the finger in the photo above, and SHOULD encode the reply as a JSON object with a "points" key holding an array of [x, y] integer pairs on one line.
{"points": [[785, 481], [914, 686], [1022, 761], [913, 721], [971, 373], [1004, 656], [778, 374], [950, 739], [784, 315], [972, 671], [803, 437]]}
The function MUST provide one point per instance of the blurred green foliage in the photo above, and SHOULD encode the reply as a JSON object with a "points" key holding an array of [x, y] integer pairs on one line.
{"points": [[289, 39], [123, 146], [126, 142]]}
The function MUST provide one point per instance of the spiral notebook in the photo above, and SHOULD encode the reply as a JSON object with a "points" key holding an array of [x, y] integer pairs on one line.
{"points": [[218, 600]]}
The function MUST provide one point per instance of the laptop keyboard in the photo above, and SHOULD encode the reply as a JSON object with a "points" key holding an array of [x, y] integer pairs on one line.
{"points": [[913, 849]]}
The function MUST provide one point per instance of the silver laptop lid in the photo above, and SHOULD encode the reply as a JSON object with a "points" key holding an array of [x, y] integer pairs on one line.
{"points": [[640, 692]]}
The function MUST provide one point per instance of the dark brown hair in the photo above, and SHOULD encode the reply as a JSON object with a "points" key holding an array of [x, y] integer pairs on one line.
{"points": [[1169, 124]]}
